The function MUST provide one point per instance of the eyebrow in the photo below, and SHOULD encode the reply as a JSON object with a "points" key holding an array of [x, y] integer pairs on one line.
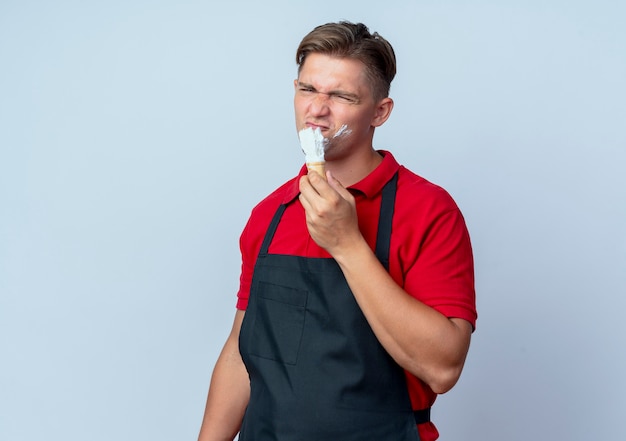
{"points": [[332, 92]]}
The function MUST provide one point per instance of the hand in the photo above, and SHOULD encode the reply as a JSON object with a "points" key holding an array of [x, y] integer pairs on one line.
{"points": [[330, 212]]}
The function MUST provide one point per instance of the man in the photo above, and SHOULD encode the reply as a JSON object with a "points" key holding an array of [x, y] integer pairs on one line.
{"points": [[356, 300]]}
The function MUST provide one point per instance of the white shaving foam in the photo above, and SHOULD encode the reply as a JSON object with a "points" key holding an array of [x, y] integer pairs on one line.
{"points": [[312, 143], [343, 130]]}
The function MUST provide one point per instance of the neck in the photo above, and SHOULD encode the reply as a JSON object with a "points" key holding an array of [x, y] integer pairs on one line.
{"points": [[352, 169]]}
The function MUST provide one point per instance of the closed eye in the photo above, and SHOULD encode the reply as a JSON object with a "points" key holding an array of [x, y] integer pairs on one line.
{"points": [[306, 88], [338, 96], [345, 98]]}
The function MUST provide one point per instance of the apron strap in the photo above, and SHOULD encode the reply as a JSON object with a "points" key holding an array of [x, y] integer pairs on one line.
{"points": [[422, 416], [383, 237], [383, 242], [269, 235]]}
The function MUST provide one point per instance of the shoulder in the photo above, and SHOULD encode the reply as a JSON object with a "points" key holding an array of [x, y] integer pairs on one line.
{"points": [[263, 212], [417, 193], [285, 193], [431, 251], [425, 213]]}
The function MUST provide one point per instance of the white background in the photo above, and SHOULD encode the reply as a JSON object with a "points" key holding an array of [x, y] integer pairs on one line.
{"points": [[136, 136]]}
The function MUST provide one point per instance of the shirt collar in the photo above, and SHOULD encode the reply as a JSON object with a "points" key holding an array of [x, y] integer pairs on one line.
{"points": [[370, 185]]}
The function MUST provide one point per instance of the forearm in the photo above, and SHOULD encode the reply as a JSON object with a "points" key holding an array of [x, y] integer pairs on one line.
{"points": [[419, 338], [229, 392]]}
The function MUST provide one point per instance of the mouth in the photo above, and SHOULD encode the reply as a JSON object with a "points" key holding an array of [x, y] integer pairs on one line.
{"points": [[317, 126]]}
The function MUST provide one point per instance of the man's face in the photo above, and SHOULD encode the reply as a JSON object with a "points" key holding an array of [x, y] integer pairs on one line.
{"points": [[334, 95]]}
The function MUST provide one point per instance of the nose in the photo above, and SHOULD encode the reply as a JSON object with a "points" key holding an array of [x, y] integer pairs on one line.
{"points": [[320, 104]]}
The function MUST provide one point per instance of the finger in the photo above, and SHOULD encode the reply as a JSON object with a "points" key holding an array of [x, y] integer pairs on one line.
{"points": [[306, 188], [317, 181], [307, 193], [338, 186], [305, 204], [312, 172]]}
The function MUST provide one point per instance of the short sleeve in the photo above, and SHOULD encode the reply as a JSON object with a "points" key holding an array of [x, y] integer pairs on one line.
{"points": [[442, 274]]}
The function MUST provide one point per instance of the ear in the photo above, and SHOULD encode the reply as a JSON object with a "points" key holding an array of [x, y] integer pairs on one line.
{"points": [[383, 111]]}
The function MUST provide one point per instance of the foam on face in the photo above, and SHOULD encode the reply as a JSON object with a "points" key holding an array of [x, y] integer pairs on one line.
{"points": [[343, 131]]}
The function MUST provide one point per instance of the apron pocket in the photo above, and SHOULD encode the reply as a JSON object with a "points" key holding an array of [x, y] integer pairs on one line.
{"points": [[279, 322]]}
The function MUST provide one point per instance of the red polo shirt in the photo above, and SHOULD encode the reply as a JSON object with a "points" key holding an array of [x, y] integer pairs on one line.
{"points": [[430, 251]]}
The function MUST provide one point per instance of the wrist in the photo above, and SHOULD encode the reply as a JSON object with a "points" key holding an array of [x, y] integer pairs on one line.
{"points": [[352, 253]]}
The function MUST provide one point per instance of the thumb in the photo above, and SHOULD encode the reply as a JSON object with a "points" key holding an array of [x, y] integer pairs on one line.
{"points": [[336, 185]]}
